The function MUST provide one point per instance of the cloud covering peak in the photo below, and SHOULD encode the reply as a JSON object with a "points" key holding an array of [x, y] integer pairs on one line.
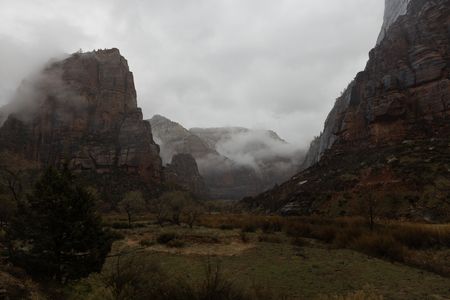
{"points": [[207, 63]]}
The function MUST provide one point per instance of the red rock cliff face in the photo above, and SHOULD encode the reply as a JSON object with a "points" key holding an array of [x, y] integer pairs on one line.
{"points": [[388, 133], [404, 92], [83, 111]]}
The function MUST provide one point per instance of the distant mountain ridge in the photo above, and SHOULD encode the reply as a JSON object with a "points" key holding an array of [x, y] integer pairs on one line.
{"points": [[236, 162]]}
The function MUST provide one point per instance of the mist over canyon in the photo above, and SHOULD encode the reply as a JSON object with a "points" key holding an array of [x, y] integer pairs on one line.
{"points": [[225, 149]]}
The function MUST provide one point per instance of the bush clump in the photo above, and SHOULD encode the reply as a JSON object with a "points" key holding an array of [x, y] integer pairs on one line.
{"points": [[298, 230], [269, 238], [176, 243], [165, 238], [244, 236], [421, 236], [249, 228], [147, 243], [299, 242], [380, 245], [226, 227]]}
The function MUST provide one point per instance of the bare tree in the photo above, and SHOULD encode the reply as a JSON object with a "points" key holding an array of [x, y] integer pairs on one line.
{"points": [[192, 212], [132, 276], [369, 206], [133, 203], [7, 209], [176, 206], [12, 170], [161, 209]]}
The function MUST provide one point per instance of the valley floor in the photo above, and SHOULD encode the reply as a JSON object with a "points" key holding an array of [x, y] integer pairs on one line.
{"points": [[274, 263]]}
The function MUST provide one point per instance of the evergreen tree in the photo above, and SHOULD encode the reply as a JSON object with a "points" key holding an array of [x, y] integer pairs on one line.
{"points": [[56, 232]]}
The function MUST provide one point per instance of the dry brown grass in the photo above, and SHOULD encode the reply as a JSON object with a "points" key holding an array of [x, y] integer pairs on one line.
{"points": [[395, 241], [358, 295], [423, 236], [381, 245]]}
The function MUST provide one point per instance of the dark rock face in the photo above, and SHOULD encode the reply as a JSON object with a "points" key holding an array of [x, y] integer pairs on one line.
{"points": [[382, 126], [393, 10], [183, 172], [83, 111]]}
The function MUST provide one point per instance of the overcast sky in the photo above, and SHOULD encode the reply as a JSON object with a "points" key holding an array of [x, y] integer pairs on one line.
{"points": [[266, 64]]}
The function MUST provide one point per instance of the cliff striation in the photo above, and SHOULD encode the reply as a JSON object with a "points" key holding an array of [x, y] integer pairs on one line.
{"points": [[83, 111]]}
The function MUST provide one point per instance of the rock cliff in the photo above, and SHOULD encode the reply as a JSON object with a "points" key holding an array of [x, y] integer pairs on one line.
{"points": [[183, 172], [392, 10], [83, 111], [387, 135]]}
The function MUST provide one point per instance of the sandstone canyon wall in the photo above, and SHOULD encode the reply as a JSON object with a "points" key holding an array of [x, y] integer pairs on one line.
{"points": [[83, 111], [392, 10], [387, 135]]}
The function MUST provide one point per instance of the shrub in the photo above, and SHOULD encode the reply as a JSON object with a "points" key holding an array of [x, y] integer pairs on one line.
{"points": [[358, 295], [147, 243], [120, 225], [298, 230], [244, 237], [299, 242], [226, 227], [203, 239], [249, 228], [115, 235], [165, 238], [325, 234], [271, 225], [266, 238], [380, 245], [136, 277], [345, 237], [176, 243], [422, 236], [217, 286]]}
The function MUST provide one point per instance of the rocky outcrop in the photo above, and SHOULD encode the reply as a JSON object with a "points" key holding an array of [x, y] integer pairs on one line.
{"points": [[183, 172], [83, 111], [388, 133], [235, 162]]}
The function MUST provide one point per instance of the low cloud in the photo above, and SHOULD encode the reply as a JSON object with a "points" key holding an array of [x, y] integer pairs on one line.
{"points": [[258, 153], [259, 149], [251, 63], [44, 87]]}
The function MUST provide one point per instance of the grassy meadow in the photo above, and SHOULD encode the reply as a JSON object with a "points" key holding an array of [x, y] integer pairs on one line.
{"points": [[269, 257]]}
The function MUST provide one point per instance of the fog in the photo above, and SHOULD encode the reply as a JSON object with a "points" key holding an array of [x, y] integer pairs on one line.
{"points": [[35, 90], [256, 148], [259, 64]]}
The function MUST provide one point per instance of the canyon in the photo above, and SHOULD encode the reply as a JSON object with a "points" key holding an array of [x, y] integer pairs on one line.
{"points": [[235, 162], [386, 136]]}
